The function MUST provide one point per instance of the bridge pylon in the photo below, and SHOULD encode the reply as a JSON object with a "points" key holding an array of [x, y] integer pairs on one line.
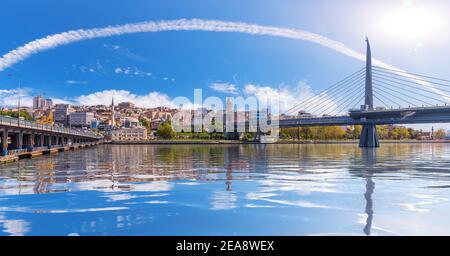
{"points": [[369, 137]]}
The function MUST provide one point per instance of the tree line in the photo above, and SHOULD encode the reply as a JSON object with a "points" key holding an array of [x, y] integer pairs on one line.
{"points": [[385, 132]]}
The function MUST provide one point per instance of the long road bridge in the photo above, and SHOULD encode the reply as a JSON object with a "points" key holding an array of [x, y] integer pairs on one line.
{"points": [[24, 138], [374, 96]]}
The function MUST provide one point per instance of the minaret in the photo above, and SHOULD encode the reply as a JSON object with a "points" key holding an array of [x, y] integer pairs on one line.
{"points": [[113, 113]]}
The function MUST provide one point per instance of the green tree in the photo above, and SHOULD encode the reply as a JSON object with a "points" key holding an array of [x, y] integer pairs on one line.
{"points": [[399, 133], [144, 122], [15, 114], [440, 134], [165, 130]]}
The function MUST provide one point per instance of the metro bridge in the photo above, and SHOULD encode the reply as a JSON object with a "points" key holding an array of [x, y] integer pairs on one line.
{"points": [[403, 98]]}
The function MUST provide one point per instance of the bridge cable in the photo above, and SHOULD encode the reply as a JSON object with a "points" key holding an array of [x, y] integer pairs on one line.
{"points": [[385, 87], [385, 97], [352, 103], [338, 101], [409, 73], [340, 93], [354, 97], [334, 94], [328, 93], [334, 86], [409, 80], [384, 103], [419, 88], [396, 86]]}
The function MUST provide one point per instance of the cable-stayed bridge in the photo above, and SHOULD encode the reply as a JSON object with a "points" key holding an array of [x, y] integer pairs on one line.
{"points": [[374, 96]]}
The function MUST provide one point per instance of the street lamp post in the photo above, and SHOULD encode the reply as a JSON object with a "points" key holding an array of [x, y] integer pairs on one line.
{"points": [[18, 103], [18, 107]]}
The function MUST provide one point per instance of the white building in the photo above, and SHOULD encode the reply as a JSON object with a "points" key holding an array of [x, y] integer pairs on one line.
{"points": [[131, 122], [38, 102], [129, 134], [62, 112], [41, 103], [48, 103], [81, 119]]}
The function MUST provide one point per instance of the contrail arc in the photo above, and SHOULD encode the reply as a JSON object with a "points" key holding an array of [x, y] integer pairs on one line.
{"points": [[72, 36], [52, 41]]}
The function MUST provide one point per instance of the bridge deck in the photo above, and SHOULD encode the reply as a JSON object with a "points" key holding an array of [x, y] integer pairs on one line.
{"points": [[7, 121]]}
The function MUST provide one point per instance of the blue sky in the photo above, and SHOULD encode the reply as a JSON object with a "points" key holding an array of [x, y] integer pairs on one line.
{"points": [[173, 63]]}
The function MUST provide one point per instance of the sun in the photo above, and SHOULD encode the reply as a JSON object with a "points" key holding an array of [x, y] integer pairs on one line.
{"points": [[411, 22]]}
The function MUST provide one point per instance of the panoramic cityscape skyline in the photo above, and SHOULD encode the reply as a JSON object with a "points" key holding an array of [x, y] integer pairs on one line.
{"points": [[151, 69], [224, 118]]}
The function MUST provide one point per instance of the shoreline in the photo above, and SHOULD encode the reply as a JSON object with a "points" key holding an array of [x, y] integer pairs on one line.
{"points": [[236, 142]]}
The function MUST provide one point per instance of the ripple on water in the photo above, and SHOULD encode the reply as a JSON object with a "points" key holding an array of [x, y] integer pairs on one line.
{"points": [[229, 189]]}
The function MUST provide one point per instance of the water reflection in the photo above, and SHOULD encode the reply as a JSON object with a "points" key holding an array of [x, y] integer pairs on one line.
{"points": [[232, 189], [369, 157]]}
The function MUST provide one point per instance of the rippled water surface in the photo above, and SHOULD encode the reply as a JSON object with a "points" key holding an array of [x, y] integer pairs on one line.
{"points": [[398, 189]]}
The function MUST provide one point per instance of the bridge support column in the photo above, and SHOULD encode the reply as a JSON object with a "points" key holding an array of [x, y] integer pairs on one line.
{"points": [[369, 137], [20, 140], [4, 138], [32, 142]]}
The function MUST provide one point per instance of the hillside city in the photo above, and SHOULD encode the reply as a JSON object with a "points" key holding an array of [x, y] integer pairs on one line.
{"points": [[127, 122]]}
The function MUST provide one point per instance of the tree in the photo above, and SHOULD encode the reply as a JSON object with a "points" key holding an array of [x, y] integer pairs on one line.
{"points": [[15, 114], [165, 130], [440, 134], [399, 133], [353, 132]]}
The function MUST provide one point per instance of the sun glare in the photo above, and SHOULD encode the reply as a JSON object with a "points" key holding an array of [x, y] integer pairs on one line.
{"points": [[410, 22]]}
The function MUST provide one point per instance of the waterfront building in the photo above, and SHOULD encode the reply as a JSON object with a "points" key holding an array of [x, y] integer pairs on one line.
{"points": [[129, 134], [81, 119], [131, 122]]}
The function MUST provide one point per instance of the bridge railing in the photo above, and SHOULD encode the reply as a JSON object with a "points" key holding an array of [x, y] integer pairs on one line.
{"points": [[11, 121]]}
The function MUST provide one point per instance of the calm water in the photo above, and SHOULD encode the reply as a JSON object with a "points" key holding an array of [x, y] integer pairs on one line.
{"points": [[399, 189]]}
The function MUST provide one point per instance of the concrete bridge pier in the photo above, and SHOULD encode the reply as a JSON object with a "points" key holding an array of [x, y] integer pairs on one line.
{"points": [[28, 141], [369, 137], [4, 142], [16, 141], [46, 140], [38, 140]]}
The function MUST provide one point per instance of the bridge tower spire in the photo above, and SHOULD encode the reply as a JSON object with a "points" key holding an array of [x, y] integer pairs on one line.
{"points": [[369, 137], [369, 92]]}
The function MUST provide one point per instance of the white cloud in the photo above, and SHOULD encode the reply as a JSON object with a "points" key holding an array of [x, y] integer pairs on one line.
{"points": [[286, 96], [76, 82], [118, 70], [11, 97], [125, 52], [132, 71], [150, 100], [224, 87]]}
